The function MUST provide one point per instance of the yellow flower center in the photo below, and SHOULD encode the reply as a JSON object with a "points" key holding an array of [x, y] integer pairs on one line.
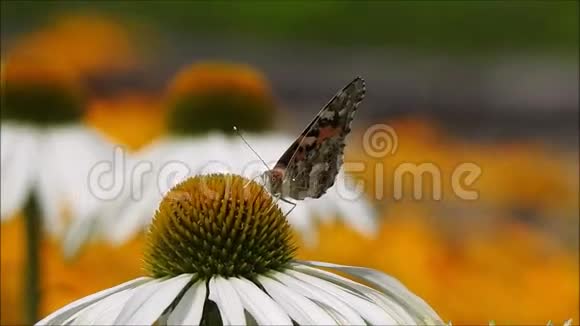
{"points": [[218, 225]]}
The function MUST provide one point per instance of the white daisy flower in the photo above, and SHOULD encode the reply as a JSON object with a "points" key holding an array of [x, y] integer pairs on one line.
{"points": [[219, 252], [45, 157], [175, 159], [45, 152], [52, 163], [19, 150]]}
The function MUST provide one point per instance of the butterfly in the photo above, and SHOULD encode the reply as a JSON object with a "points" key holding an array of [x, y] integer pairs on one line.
{"points": [[308, 168]]}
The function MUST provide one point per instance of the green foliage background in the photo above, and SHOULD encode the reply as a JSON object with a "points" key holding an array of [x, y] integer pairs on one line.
{"points": [[479, 27]]}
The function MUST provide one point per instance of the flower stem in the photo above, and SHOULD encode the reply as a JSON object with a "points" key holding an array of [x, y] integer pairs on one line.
{"points": [[31, 280]]}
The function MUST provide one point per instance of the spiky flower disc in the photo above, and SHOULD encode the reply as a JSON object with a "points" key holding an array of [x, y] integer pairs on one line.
{"points": [[218, 225]]}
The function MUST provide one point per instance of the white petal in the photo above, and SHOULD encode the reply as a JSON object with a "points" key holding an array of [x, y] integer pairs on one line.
{"points": [[62, 314], [368, 310], [300, 308], [190, 308], [227, 300], [75, 151], [264, 310], [19, 167], [107, 217], [201, 155], [338, 317], [9, 133], [324, 209], [302, 220], [172, 160], [135, 215], [50, 191], [83, 229], [77, 235], [149, 301], [393, 308], [104, 211], [327, 301], [422, 312], [354, 210], [103, 312], [103, 217], [68, 155]]}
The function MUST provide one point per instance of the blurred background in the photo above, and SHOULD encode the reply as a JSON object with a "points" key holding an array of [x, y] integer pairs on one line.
{"points": [[486, 82]]}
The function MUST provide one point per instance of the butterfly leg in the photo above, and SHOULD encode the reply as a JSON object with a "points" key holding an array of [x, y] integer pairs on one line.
{"points": [[278, 198], [288, 202]]}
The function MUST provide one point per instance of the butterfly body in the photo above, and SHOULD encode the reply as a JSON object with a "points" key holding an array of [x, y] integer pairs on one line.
{"points": [[308, 168]]}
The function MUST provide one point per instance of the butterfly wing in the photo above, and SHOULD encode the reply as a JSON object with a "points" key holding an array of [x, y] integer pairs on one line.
{"points": [[312, 162]]}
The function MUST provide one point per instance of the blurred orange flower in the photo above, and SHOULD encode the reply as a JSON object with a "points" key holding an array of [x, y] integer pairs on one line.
{"points": [[64, 44], [32, 70], [98, 267], [469, 279], [34, 90], [50, 68], [513, 176], [130, 119], [12, 259], [216, 96], [506, 276], [206, 78]]}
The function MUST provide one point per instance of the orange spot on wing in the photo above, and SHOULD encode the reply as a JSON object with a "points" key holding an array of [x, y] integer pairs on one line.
{"points": [[327, 132]]}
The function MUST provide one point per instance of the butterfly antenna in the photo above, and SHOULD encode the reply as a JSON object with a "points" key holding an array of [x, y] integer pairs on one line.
{"points": [[250, 147]]}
